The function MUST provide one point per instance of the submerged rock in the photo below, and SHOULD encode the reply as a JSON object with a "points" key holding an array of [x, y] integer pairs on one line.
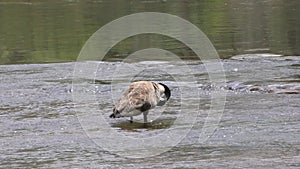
{"points": [[274, 88]]}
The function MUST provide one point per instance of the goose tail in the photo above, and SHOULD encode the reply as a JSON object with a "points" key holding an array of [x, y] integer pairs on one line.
{"points": [[115, 114]]}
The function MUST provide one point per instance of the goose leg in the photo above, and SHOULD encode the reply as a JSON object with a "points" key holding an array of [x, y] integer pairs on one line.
{"points": [[131, 119], [145, 116]]}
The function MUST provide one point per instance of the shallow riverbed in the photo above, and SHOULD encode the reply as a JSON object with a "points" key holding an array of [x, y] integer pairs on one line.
{"points": [[259, 128]]}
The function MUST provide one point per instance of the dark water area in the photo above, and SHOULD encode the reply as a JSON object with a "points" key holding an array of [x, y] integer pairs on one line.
{"points": [[35, 31], [259, 128]]}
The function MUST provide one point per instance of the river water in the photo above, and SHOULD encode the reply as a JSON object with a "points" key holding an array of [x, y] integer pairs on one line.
{"points": [[259, 128], [55, 31]]}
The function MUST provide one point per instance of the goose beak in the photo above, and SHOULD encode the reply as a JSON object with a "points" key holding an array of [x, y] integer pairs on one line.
{"points": [[161, 103]]}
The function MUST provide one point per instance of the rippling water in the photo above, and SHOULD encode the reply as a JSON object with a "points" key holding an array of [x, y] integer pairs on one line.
{"points": [[259, 127]]}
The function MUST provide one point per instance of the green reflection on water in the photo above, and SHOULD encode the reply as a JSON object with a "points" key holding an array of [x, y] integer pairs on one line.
{"points": [[34, 31]]}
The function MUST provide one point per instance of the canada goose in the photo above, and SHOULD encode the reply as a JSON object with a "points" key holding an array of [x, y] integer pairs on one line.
{"points": [[140, 98]]}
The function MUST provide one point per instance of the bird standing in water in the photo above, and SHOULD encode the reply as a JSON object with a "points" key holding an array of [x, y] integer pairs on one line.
{"points": [[140, 98]]}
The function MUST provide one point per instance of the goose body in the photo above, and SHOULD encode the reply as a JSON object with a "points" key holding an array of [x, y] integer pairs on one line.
{"points": [[139, 98]]}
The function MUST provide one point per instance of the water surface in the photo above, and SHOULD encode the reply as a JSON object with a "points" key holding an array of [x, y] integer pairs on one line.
{"points": [[55, 31], [259, 127]]}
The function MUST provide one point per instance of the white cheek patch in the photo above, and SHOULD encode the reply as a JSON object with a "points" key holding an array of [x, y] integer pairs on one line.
{"points": [[163, 97], [162, 100]]}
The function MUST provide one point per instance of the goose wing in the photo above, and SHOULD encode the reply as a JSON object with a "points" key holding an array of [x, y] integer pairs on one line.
{"points": [[137, 97]]}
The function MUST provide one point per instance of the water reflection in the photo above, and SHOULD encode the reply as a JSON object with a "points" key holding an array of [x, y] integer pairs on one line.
{"points": [[54, 31], [162, 123]]}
